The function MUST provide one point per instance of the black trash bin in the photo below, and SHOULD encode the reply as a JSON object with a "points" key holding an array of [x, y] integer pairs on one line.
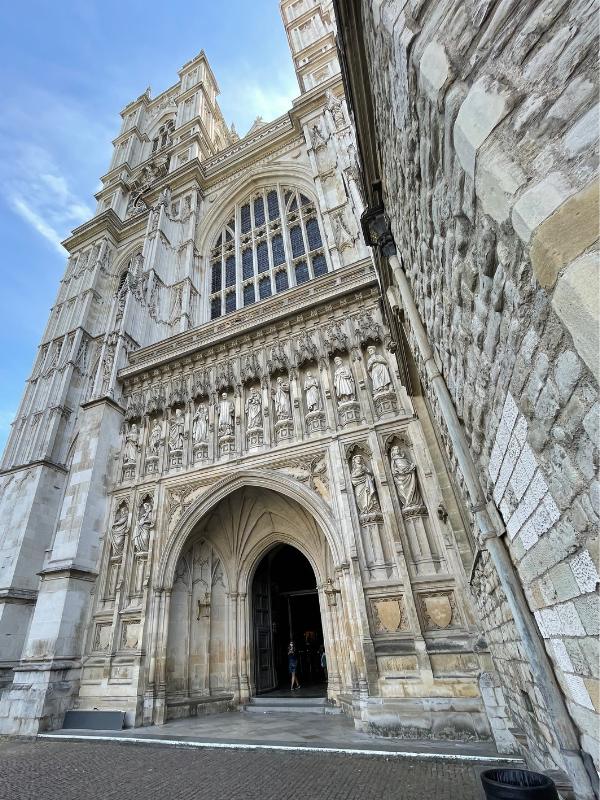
{"points": [[517, 784]]}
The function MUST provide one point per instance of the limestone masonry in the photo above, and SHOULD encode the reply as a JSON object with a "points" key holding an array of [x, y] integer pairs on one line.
{"points": [[230, 372]]}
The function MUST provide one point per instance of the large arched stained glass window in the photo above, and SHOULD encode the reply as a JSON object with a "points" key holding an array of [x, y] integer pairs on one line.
{"points": [[271, 243]]}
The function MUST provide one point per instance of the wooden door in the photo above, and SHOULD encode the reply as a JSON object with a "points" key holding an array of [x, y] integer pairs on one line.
{"points": [[264, 671]]}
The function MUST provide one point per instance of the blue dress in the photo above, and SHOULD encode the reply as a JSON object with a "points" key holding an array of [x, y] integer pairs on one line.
{"points": [[292, 662]]}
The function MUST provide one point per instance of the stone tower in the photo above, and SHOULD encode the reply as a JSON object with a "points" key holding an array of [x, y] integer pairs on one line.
{"points": [[216, 390]]}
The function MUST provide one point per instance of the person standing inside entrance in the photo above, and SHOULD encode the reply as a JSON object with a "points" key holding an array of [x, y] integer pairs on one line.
{"points": [[323, 662], [293, 666]]}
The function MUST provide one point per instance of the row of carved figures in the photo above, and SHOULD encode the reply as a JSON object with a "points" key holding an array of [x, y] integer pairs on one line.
{"points": [[345, 393]]}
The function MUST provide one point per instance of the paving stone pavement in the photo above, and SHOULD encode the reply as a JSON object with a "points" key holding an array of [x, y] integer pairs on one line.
{"points": [[103, 771]]}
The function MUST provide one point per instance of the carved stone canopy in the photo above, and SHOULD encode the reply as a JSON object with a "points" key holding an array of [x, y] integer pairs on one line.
{"points": [[367, 330], [334, 339], [251, 370], [135, 409], [156, 400], [201, 385], [278, 362], [306, 350], [225, 378]]}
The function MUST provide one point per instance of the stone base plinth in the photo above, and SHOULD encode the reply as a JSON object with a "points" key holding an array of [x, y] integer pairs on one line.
{"points": [[176, 458], [200, 452], [284, 430], [385, 403], [254, 437], [315, 421], [349, 412], [226, 444], [128, 471], [151, 465]]}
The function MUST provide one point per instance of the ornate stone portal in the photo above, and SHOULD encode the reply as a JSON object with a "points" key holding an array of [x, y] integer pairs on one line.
{"points": [[235, 397]]}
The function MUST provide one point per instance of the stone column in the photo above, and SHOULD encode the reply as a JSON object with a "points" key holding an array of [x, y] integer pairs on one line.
{"points": [[160, 702], [233, 644], [243, 646]]}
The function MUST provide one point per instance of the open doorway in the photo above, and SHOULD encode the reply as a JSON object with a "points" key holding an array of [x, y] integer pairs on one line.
{"points": [[285, 608]]}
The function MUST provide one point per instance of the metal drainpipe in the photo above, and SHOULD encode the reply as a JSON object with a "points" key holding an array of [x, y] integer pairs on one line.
{"points": [[490, 535]]}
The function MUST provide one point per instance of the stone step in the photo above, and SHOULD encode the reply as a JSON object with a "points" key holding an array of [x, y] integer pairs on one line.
{"points": [[291, 705]]}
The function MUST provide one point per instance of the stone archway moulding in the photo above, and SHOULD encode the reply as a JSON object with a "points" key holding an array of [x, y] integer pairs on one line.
{"points": [[265, 479]]}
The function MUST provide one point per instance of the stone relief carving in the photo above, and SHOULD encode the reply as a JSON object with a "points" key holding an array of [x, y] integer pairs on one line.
{"points": [[143, 526], [335, 339], [306, 350], [200, 425], [312, 472], [278, 361], [343, 236], [253, 410], [336, 107], [364, 487], [132, 444], [312, 393], [378, 369], [438, 610], [176, 438], [318, 140], [281, 400], [389, 614], [404, 473], [251, 371], [343, 382], [226, 411], [119, 528]]}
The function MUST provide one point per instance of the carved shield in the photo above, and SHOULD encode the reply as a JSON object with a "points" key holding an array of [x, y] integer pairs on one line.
{"points": [[439, 610], [389, 614]]}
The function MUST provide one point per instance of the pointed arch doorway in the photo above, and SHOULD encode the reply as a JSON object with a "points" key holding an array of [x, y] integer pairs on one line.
{"points": [[285, 608]]}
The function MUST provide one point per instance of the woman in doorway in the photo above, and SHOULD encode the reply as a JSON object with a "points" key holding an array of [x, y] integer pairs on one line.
{"points": [[293, 665]]}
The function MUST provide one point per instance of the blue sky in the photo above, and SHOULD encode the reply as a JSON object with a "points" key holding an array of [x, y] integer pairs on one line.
{"points": [[66, 70]]}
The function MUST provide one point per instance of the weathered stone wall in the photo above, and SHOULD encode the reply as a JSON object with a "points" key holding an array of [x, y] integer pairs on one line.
{"points": [[488, 137]]}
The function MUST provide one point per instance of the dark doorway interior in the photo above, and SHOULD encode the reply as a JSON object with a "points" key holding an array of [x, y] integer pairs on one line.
{"points": [[286, 608]]}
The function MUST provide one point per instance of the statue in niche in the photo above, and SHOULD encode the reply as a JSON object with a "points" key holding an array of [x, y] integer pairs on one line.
{"points": [[200, 424], [404, 473], [317, 138], [378, 370], [343, 382], [226, 411], [313, 396], [364, 486], [132, 439], [155, 438], [281, 398], [176, 431], [254, 410], [118, 529], [141, 536]]}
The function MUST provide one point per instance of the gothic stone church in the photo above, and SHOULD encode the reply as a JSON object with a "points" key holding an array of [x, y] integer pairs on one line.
{"points": [[216, 452]]}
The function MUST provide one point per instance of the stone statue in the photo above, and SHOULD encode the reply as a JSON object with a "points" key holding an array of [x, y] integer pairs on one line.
{"points": [[281, 398], [200, 425], [364, 486], [176, 431], [141, 535], [378, 370], [254, 410], [131, 444], [343, 382], [313, 396], [155, 437], [118, 530], [404, 473], [226, 411]]}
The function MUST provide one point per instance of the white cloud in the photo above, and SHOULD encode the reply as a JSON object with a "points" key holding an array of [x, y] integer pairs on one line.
{"points": [[37, 191], [243, 100]]}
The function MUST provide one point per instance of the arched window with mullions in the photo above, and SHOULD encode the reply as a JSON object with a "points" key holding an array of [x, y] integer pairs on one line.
{"points": [[272, 242]]}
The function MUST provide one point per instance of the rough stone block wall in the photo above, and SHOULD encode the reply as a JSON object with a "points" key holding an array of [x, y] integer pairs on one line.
{"points": [[488, 131]]}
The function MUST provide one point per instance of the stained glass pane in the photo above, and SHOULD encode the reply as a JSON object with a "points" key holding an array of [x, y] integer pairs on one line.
{"points": [[273, 205], [278, 250], [215, 307], [262, 257], [248, 294], [319, 265], [281, 281], [247, 265], [215, 285], [264, 288], [297, 241], [245, 218], [302, 272], [294, 204], [259, 211], [304, 200], [230, 271], [313, 234], [229, 302]]}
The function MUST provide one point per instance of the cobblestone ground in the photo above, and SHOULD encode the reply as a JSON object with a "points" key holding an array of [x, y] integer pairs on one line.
{"points": [[102, 771]]}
